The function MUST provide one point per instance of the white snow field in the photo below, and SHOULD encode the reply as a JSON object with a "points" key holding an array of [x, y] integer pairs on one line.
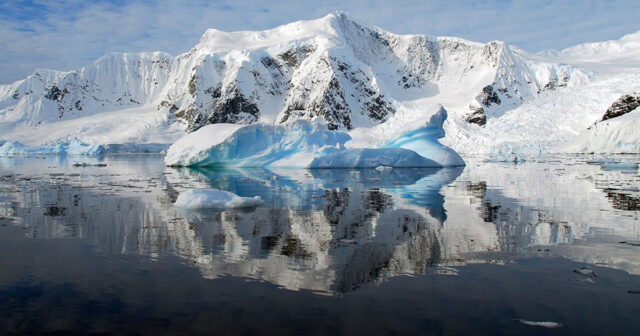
{"points": [[214, 198], [378, 87]]}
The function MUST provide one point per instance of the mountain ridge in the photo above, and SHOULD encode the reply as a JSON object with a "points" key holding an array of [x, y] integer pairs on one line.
{"points": [[337, 67]]}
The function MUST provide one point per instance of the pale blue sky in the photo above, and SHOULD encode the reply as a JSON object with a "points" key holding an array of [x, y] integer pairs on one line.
{"points": [[66, 35]]}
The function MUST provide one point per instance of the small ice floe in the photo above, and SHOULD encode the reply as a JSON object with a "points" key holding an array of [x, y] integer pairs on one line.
{"points": [[214, 198], [585, 271], [546, 324], [589, 281], [383, 168], [88, 164]]}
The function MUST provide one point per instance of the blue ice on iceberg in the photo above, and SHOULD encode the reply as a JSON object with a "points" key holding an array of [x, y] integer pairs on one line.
{"points": [[256, 145], [424, 141], [305, 144]]}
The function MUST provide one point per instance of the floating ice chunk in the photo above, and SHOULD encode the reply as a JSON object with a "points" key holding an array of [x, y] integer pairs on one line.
{"points": [[546, 324], [371, 158], [214, 198]]}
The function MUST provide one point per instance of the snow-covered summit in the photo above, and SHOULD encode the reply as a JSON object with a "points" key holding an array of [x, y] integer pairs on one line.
{"points": [[352, 74], [626, 47]]}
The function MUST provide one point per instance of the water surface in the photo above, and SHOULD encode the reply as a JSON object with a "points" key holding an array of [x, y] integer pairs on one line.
{"points": [[417, 251]]}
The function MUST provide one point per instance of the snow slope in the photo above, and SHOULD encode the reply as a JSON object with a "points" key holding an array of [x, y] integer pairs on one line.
{"points": [[617, 135], [354, 75]]}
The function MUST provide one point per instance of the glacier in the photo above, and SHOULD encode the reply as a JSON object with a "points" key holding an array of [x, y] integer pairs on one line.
{"points": [[70, 148], [617, 131], [75, 147], [619, 135]]}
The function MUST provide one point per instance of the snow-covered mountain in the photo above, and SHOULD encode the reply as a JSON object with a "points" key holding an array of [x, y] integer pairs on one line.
{"points": [[352, 74], [616, 132]]}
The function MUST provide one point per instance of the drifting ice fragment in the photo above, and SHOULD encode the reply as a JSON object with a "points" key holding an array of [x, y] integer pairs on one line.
{"points": [[214, 198], [546, 324]]}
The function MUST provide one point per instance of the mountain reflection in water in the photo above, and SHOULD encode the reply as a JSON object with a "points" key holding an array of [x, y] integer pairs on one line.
{"points": [[330, 231]]}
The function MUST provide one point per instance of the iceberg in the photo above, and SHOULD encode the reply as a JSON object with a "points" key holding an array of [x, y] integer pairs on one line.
{"points": [[310, 144], [214, 198]]}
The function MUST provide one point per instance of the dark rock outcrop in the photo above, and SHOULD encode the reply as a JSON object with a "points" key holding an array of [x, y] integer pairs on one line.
{"points": [[476, 116], [489, 96], [623, 105]]}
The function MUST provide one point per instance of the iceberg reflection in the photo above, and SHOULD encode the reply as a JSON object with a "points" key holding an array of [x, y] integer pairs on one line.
{"points": [[331, 231]]}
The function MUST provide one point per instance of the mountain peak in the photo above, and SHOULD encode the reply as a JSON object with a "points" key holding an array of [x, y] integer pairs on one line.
{"points": [[328, 27]]}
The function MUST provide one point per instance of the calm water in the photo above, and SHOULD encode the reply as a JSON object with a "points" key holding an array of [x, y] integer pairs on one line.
{"points": [[406, 251]]}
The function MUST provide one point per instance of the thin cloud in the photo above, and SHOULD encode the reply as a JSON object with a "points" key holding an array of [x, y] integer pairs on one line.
{"points": [[67, 35]]}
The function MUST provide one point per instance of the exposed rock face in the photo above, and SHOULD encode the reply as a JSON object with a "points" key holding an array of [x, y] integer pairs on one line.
{"points": [[623, 105], [489, 96], [476, 116]]}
